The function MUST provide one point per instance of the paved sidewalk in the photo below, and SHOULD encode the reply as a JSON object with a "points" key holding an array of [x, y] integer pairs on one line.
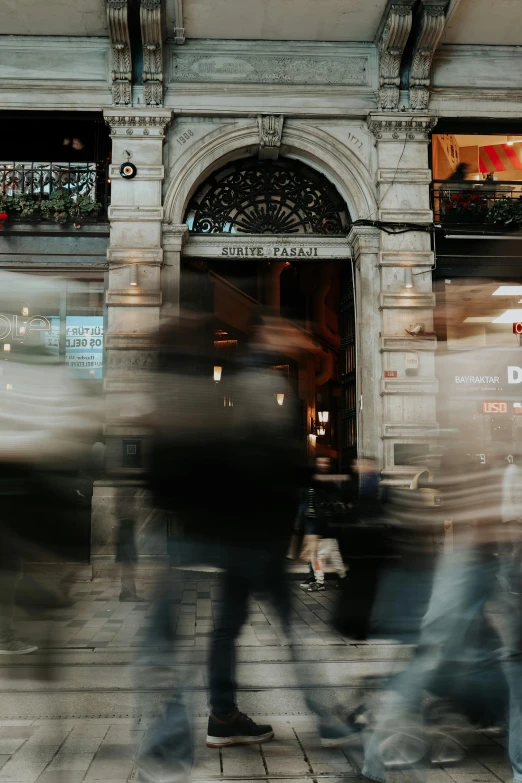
{"points": [[72, 713]]}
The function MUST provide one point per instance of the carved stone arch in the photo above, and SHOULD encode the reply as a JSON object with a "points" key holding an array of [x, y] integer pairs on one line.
{"points": [[302, 142]]}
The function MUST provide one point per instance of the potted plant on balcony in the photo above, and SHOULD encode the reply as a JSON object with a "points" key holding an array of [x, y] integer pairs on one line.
{"points": [[60, 207], [506, 213], [464, 208]]}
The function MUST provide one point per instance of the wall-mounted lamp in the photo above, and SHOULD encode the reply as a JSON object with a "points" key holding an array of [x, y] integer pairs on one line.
{"points": [[7, 347], [217, 374], [408, 277], [280, 398], [25, 310], [134, 274], [318, 427]]}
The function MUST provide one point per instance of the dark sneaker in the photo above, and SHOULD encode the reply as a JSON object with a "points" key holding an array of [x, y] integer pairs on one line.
{"points": [[316, 587], [10, 645], [337, 734], [307, 582], [238, 730]]}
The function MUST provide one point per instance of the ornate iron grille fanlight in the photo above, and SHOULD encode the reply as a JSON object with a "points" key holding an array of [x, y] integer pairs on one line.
{"points": [[267, 197]]}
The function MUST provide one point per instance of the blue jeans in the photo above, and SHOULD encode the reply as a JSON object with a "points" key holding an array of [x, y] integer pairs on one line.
{"points": [[465, 580]]}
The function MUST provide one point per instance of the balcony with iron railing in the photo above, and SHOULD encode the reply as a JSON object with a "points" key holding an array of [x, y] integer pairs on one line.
{"points": [[56, 192], [487, 206]]}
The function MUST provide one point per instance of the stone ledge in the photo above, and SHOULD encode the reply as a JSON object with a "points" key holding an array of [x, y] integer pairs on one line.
{"points": [[428, 429], [143, 256], [144, 172], [406, 215], [414, 176], [133, 214], [406, 258], [409, 386], [393, 342], [139, 299], [131, 341], [408, 299]]}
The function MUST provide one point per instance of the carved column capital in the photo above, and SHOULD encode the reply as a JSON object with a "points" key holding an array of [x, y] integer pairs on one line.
{"points": [[121, 73], [431, 28], [364, 239], [139, 124], [151, 21], [270, 133], [391, 48], [401, 127]]}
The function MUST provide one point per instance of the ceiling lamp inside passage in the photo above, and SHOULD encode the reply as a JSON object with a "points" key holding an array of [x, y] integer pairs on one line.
{"points": [[53, 17], [281, 20], [484, 22]]}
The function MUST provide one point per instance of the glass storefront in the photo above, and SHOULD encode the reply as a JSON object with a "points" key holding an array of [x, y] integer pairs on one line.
{"points": [[62, 318]]}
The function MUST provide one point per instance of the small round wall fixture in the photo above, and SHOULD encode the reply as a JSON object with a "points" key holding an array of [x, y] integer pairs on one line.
{"points": [[128, 170]]}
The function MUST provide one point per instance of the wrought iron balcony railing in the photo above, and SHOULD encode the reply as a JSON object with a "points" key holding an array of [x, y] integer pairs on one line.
{"points": [[490, 204], [78, 183]]}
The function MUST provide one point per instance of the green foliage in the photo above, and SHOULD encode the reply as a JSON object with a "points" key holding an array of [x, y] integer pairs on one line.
{"points": [[506, 212], [59, 207]]}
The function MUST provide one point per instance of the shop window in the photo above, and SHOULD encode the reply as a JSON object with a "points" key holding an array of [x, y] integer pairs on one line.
{"points": [[61, 319]]}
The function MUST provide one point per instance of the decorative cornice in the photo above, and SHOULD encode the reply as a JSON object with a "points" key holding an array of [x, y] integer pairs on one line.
{"points": [[402, 127], [151, 21], [120, 257], [391, 48], [139, 123], [121, 74], [270, 133], [432, 26], [364, 239]]}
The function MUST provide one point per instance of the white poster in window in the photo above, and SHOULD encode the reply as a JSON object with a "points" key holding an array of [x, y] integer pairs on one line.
{"points": [[84, 345]]}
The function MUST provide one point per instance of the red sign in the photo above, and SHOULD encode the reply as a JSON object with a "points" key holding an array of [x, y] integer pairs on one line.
{"points": [[517, 328], [390, 373], [494, 407]]}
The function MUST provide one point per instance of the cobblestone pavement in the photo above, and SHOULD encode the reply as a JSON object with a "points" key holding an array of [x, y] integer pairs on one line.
{"points": [[75, 712]]}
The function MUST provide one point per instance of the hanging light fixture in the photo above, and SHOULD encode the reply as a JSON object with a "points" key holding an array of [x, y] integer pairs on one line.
{"points": [[280, 398], [25, 310], [7, 347], [323, 416], [217, 373]]}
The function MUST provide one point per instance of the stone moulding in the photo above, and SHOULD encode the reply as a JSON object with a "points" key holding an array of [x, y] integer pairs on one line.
{"points": [[270, 133], [421, 216], [120, 257], [132, 214], [391, 48], [267, 246], [432, 26], [404, 258], [144, 172], [409, 300], [131, 341], [421, 430], [151, 21], [404, 127], [121, 75], [406, 176], [391, 343], [140, 298], [415, 385], [139, 123]]}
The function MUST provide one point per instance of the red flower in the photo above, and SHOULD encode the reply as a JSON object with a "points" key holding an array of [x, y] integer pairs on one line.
{"points": [[3, 216]]}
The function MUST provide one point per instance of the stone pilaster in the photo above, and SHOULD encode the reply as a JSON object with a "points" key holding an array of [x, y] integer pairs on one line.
{"points": [[174, 237], [365, 246], [133, 300], [407, 384]]}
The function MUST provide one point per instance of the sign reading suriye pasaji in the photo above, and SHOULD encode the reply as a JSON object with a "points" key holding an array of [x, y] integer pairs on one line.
{"points": [[275, 251]]}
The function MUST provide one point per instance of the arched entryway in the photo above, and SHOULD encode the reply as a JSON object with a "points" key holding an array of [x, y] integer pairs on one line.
{"points": [[272, 234]]}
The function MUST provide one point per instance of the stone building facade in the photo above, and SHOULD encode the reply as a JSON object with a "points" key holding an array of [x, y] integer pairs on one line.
{"points": [[357, 105]]}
